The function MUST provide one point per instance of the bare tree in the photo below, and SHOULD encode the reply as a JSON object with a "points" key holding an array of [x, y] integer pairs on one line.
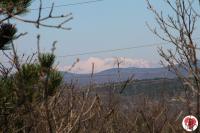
{"points": [[20, 85], [178, 29]]}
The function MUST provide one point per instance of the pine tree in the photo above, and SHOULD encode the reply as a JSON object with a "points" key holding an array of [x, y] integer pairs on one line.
{"points": [[31, 83]]}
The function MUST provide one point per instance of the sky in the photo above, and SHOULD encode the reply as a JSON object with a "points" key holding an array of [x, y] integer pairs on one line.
{"points": [[103, 25]]}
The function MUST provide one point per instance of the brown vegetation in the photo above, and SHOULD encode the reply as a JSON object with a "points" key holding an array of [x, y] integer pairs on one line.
{"points": [[33, 97]]}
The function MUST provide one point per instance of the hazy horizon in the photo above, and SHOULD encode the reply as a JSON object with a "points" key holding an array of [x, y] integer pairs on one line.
{"points": [[98, 26]]}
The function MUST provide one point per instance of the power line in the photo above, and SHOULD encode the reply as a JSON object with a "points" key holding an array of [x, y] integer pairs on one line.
{"points": [[112, 50], [70, 4], [118, 49]]}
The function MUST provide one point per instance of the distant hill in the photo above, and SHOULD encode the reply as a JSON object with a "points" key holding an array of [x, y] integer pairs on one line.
{"points": [[121, 74], [153, 88]]}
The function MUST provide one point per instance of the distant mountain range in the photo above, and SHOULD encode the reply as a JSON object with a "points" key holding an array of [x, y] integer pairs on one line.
{"points": [[119, 74]]}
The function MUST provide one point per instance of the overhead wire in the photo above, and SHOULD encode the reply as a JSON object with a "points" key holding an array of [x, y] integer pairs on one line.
{"points": [[70, 4], [112, 50], [117, 49], [99, 51]]}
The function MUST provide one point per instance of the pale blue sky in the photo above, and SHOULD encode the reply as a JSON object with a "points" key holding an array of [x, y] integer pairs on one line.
{"points": [[108, 24]]}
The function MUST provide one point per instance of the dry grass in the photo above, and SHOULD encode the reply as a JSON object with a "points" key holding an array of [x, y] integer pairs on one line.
{"points": [[80, 111]]}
